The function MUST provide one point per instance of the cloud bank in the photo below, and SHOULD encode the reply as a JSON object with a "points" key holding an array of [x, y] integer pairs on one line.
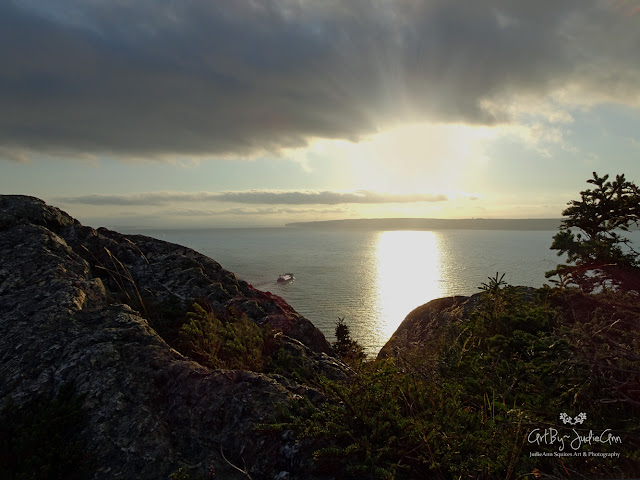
{"points": [[240, 78], [261, 197]]}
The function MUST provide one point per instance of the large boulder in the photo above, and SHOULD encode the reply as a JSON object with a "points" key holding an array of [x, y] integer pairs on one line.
{"points": [[147, 409]]}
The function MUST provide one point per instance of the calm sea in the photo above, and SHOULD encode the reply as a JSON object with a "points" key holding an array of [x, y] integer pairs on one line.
{"points": [[371, 278]]}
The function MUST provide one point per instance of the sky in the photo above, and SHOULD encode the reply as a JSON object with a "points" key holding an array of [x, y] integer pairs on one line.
{"points": [[202, 113]]}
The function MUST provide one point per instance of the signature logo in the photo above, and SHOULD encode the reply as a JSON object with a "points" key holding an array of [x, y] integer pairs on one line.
{"points": [[561, 439], [566, 419]]}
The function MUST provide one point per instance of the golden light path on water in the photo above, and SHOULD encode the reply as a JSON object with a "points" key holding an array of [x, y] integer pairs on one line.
{"points": [[408, 274]]}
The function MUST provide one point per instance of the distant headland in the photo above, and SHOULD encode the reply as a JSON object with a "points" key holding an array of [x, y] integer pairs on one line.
{"points": [[435, 224]]}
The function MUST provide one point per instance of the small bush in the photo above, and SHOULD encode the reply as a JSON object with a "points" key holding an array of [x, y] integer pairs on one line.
{"points": [[233, 341], [346, 347]]}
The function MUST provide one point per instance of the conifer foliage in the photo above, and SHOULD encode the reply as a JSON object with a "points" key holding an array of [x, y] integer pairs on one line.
{"points": [[599, 256], [346, 347]]}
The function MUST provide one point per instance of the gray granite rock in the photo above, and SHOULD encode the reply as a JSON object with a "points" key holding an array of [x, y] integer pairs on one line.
{"points": [[147, 409]]}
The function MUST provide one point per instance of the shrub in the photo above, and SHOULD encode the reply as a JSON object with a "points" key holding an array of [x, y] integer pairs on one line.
{"points": [[346, 347], [233, 341]]}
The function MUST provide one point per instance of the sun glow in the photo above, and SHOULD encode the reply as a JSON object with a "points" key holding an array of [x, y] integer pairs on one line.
{"points": [[409, 270], [419, 157], [449, 160]]}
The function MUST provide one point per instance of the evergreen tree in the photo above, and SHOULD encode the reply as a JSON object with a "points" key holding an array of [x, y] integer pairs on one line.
{"points": [[598, 255], [347, 348]]}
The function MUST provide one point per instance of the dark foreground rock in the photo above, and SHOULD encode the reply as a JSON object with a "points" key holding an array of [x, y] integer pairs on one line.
{"points": [[66, 318]]}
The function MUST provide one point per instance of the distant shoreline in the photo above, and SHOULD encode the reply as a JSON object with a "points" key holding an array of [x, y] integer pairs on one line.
{"points": [[530, 224]]}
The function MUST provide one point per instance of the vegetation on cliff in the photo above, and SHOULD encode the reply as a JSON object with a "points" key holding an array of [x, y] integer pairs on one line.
{"points": [[474, 408], [531, 383]]}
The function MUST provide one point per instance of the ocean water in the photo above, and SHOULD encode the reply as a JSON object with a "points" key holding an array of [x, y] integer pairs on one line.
{"points": [[371, 278]]}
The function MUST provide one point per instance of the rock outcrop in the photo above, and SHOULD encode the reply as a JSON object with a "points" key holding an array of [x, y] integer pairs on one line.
{"points": [[433, 321], [71, 301], [428, 323]]}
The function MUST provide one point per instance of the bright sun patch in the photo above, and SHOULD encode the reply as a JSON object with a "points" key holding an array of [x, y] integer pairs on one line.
{"points": [[414, 158]]}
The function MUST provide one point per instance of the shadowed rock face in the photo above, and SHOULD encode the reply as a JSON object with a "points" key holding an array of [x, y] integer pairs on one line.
{"points": [[148, 409]]}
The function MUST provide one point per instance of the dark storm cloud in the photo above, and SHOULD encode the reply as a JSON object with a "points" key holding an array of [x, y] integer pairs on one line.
{"points": [[233, 77], [256, 197]]}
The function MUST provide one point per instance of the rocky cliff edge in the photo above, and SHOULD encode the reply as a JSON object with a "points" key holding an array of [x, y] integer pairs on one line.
{"points": [[66, 318]]}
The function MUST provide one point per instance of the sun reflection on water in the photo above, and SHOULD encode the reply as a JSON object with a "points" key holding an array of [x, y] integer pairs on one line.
{"points": [[409, 270]]}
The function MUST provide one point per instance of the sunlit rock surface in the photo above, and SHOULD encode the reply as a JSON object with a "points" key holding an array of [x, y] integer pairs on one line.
{"points": [[427, 323], [433, 322], [148, 409]]}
